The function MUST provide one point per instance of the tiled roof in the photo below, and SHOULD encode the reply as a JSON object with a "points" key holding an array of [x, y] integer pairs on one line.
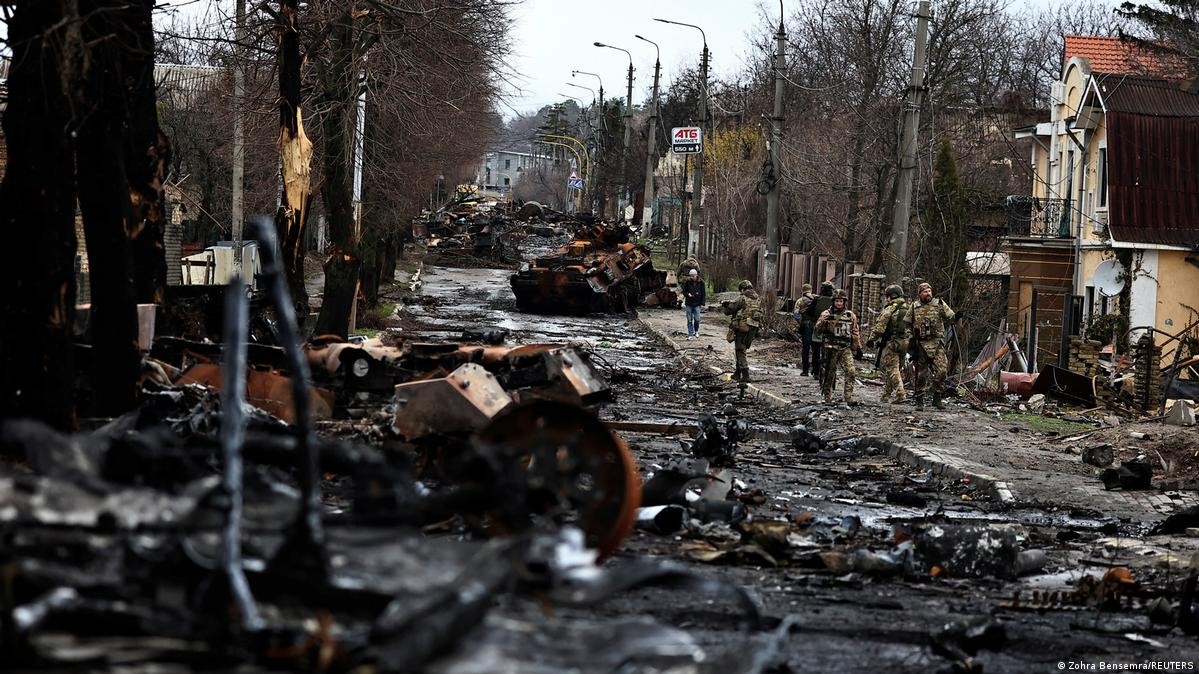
{"points": [[1113, 55]]}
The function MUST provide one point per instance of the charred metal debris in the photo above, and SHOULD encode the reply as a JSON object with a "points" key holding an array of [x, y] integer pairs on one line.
{"points": [[213, 528]]}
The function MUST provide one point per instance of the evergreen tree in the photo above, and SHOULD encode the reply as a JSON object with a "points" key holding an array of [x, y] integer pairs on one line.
{"points": [[942, 260]]}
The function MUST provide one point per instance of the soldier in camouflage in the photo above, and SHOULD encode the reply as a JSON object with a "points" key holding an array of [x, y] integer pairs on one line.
{"points": [[842, 340], [891, 334], [746, 311], [927, 318]]}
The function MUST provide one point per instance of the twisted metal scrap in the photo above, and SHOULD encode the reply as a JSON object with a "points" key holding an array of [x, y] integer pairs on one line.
{"points": [[305, 545]]}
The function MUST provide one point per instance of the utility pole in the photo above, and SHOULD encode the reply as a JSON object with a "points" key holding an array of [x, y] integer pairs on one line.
{"points": [[651, 151], [239, 135], [358, 148], [628, 136], [907, 149], [697, 197], [770, 267], [628, 131]]}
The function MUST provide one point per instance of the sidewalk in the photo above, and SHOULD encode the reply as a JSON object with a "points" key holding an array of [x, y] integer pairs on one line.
{"points": [[1016, 462]]}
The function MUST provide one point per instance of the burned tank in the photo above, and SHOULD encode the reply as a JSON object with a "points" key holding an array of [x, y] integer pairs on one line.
{"points": [[600, 271]]}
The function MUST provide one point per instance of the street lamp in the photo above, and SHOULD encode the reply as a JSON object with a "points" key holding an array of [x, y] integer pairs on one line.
{"points": [[628, 126], [597, 77], [579, 86], [603, 123], [697, 199], [651, 150]]}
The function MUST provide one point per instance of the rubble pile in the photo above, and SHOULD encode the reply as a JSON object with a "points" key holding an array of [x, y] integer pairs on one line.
{"points": [[179, 533]]}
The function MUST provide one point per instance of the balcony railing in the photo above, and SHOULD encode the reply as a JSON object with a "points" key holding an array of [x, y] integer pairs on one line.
{"points": [[1035, 218]]}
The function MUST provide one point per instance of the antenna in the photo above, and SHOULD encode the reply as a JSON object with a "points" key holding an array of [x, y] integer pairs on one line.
{"points": [[1107, 278]]}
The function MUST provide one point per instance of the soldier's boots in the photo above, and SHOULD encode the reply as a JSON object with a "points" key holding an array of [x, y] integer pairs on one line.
{"points": [[919, 401], [937, 401]]}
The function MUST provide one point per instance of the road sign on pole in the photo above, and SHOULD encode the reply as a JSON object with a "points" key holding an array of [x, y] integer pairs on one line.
{"points": [[687, 140], [575, 183]]}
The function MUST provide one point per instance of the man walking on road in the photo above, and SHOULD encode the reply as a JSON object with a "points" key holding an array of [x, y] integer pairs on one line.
{"points": [[693, 302], [891, 333], [823, 301], [802, 305], [746, 311], [838, 326], [927, 317]]}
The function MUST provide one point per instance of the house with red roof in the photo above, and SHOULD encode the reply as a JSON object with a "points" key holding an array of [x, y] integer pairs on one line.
{"points": [[1115, 179]]}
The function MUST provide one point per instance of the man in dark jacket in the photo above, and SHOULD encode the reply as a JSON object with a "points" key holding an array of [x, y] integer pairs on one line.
{"points": [[802, 307], [811, 313], [693, 302]]}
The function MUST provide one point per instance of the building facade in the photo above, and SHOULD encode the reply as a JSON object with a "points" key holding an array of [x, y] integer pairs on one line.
{"points": [[1115, 176], [501, 170]]}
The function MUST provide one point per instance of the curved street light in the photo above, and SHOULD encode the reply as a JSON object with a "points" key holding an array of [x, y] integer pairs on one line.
{"points": [[597, 77], [579, 86], [628, 126]]}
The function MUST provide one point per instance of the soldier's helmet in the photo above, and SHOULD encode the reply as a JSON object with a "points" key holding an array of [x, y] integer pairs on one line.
{"points": [[893, 291], [827, 284], [840, 295], [745, 285]]}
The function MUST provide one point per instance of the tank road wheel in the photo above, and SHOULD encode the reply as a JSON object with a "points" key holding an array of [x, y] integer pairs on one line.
{"points": [[574, 468]]}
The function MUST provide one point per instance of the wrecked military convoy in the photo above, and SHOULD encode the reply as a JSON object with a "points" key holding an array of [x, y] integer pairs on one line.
{"points": [[464, 534], [599, 271]]}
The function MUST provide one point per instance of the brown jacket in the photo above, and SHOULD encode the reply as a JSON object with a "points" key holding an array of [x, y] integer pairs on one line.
{"points": [[840, 329]]}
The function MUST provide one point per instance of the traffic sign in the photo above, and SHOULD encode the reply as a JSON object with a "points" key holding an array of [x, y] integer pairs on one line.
{"points": [[575, 183], [687, 140]]}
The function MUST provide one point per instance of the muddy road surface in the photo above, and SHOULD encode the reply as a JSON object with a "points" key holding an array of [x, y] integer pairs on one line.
{"points": [[823, 546]]}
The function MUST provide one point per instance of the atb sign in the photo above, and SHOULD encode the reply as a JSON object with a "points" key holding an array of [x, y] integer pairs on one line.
{"points": [[575, 183], [687, 140]]}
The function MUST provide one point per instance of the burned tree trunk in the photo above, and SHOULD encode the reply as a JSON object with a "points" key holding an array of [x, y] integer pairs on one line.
{"points": [[37, 215], [391, 246], [295, 151], [147, 154], [104, 200], [342, 265]]}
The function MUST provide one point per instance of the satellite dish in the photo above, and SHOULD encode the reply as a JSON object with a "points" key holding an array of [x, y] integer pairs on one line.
{"points": [[1107, 279]]}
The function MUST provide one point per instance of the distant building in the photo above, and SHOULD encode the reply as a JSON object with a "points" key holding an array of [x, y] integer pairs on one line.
{"points": [[501, 170]]}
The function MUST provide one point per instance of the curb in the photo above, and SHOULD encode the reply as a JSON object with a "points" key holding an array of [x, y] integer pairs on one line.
{"points": [[751, 390], [926, 458]]}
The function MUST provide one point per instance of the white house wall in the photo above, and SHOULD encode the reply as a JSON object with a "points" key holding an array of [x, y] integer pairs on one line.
{"points": [[1143, 298]]}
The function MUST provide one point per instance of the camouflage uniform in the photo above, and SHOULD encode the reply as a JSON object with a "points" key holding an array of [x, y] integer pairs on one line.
{"points": [[841, 338], [894, 333], [927, 320], [747, 318]]}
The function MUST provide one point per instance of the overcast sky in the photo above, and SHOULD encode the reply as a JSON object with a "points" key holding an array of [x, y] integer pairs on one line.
{"points": [[554, 37]]}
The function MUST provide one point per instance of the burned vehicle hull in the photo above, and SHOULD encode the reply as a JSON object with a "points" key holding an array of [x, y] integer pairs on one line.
{"points": [[580, 280]]}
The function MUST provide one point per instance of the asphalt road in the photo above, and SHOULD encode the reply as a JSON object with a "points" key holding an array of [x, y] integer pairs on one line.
{"points": [[845, 620]]}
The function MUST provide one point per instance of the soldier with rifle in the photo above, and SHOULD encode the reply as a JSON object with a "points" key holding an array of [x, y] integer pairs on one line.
{"points": [[746, 311], [842, 342], [927, 318], [891, 333]]}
